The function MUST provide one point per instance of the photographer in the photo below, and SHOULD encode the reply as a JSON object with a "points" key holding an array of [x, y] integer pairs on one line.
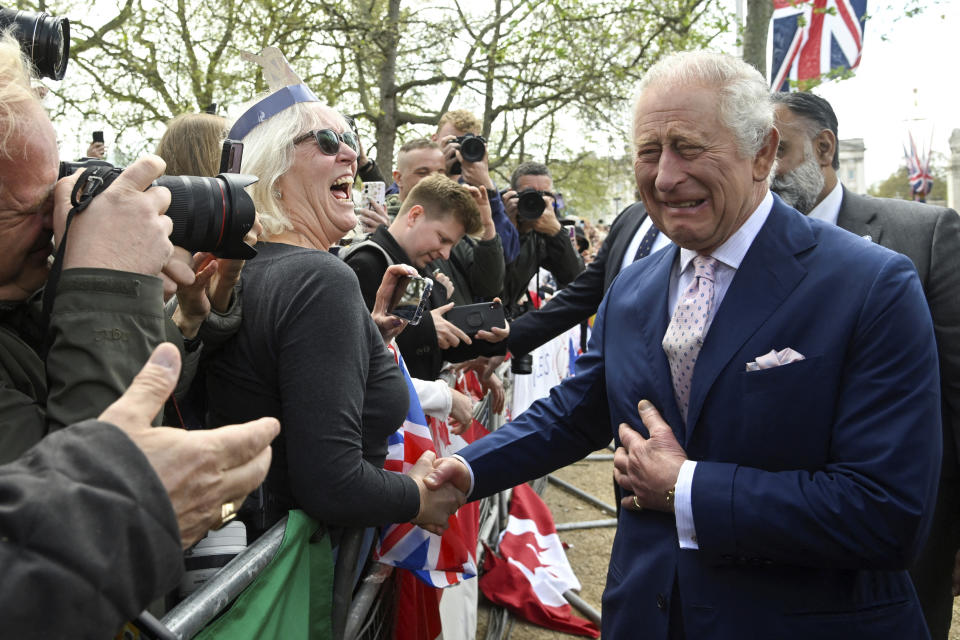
{"points": [[108, 312], [454, 129], [94, 517], [543, 241]]}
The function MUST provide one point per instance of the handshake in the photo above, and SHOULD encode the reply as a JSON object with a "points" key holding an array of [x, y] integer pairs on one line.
{"points": [[443, 484]]}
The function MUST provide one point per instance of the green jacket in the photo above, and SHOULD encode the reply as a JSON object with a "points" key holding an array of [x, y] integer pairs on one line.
{"points": [[104, 326]]}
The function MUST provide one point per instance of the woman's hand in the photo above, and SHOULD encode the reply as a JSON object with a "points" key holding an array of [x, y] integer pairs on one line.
{"points": [[193, 305], [441, 278], [437, 505], [228, 273], [373, 217], [461, 412], [496, 334], [390, 326]]}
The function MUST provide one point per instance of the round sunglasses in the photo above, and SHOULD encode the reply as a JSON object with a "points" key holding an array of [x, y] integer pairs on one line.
{"points": [[329, 140]]}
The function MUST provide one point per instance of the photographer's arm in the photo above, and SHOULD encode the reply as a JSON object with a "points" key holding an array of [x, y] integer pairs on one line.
{"points": [[108, 312]]}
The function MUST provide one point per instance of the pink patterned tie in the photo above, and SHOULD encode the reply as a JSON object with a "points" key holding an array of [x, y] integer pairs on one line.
{"points": [[684, 335]]}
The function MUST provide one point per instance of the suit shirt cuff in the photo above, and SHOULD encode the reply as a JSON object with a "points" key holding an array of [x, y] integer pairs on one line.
{"points": [[469, 468], [682, 506]]}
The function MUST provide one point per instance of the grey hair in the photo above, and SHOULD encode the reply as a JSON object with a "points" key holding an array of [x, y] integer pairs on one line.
{"points": [[268, 153], [16, 93], [745, 107]]}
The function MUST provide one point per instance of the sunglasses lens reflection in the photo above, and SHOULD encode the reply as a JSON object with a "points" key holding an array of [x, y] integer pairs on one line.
{"points": [[328, 141]]}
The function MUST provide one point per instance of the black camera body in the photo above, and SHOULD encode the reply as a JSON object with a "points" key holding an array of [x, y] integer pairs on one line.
{"points": [[43, 38], [209, 214], [530, 205], [472, 149]]}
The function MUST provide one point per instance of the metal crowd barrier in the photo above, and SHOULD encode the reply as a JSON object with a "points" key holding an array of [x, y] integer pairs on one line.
{"points": [[197, 610], [364, 613]]}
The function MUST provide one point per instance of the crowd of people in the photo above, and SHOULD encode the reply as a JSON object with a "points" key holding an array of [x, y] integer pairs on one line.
{"points": [[779, 372]]}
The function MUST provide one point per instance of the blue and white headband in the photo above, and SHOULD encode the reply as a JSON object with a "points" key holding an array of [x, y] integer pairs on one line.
{"points": [[270, 106]]}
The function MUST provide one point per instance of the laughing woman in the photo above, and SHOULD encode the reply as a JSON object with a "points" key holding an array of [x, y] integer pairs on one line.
{"points": [[308, 351]]}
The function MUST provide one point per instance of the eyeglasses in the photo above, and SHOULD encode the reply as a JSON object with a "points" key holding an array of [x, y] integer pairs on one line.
{"points": [[329, 140]]}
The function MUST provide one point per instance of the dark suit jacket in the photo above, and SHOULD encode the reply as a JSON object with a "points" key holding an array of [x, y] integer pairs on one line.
{"points": [[580, 299], [814, 481], [930, 237], [89, 536]]}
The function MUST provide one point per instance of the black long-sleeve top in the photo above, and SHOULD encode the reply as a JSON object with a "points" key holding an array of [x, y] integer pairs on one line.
{"points": [[309, 353]]}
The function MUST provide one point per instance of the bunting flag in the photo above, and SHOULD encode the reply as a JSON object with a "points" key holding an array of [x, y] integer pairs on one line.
{"points": [[439, 561], [532, 573], [810, 38], [918, 169]]}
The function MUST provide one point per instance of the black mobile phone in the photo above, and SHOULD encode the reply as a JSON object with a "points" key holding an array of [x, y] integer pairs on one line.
{"points": [[231, 156], [410, 298], [98, 136], [471, 318]]}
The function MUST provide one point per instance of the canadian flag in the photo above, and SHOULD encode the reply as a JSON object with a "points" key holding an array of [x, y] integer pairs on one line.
{"points": [[532, 572]]}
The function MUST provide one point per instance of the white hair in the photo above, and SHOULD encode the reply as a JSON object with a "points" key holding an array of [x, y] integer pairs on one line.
{"points": [[744, 103], [268, 153]]}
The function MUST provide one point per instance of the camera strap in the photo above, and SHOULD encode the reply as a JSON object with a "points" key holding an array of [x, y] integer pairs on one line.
{"points": [[80, 198]]}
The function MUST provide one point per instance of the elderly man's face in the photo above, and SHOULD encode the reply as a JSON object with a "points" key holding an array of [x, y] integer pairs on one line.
{"points": [[26, 205], [695, 184]]}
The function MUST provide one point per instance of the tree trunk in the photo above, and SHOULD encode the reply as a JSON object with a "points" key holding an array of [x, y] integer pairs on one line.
{"points": [[755, 33], [386, 123]]}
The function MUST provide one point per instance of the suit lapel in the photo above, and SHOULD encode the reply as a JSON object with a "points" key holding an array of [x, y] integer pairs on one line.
{"points": [[619, 250], [857, 216], [652, 304], [767, 275]]}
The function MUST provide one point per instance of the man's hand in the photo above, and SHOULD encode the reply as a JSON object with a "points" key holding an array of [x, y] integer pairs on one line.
{"points": [[124, 227], [201, 470], [448, 334], [476, 174], [461, 412], [648, 467], [547, 223], [448, 471], [479, 195], [437, 503], [390, 325], [373, 217], [494, 335], [96, 150]]}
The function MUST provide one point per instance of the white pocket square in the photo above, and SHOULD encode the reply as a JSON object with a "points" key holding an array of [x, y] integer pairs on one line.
{"points": [[774, 359]]}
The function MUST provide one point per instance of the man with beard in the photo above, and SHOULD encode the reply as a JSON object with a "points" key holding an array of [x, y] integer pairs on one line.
{"points": [[930, 236]]}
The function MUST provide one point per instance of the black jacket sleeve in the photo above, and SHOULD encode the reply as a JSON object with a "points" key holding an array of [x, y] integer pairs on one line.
{"points": [[560, 259], [87, 535], [573, 304]]}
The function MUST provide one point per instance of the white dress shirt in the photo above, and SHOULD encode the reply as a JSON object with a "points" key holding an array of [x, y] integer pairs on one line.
{"points": [[659, 242], [729, 255], [829, 208]]}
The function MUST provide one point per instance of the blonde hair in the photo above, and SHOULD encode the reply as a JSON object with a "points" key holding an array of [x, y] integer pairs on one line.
{"points": [[192, 143], [16, 74], [462, 120], [441, 197], [268, 153]]}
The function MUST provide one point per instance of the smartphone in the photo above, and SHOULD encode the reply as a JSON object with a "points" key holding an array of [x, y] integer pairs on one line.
{"points": [[410, 298], [98, 136], [231, 156], [373, 191], [472, 318]]}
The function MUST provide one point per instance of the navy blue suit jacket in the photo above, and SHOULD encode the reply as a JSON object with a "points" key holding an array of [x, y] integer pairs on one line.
{"points": [[815, 480]]}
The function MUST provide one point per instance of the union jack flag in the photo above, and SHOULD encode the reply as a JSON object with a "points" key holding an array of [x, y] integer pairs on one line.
{"points": [[918, 170], [809, 38], [439, 561]]}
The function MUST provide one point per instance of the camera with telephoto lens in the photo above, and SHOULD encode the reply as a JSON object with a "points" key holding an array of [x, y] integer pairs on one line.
{"points": [[530, 204], [43, 38], [472, 149], [209, 214]]}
